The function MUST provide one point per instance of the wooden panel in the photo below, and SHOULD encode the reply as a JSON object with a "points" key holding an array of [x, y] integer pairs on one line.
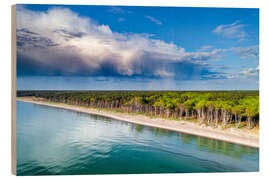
{"points": [[13, 89]]}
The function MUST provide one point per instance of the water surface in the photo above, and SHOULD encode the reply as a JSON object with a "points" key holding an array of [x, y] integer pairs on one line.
{"points": [[57, 141]]}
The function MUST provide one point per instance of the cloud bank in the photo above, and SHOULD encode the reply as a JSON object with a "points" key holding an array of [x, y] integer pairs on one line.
{"points": [[60, 41]]}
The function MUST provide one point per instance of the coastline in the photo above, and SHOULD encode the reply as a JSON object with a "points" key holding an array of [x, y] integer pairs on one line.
{"points": [[230, 135]]}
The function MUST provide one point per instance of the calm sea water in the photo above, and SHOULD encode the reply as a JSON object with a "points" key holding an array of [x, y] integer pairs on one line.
{"points": [[56, 141]]}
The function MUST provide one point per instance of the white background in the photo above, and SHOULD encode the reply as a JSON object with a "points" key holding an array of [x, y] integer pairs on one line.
{"points": [[5, 88]]}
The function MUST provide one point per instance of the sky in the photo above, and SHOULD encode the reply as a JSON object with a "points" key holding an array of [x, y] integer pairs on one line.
{"points": [[136, 48]]}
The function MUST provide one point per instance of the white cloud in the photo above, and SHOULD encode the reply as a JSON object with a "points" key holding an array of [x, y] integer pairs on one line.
{"points": [[248, 73], [154, 20], [71, 43], [118, 10], [232, 31], [251, 72], [247, 52], [205, 48]]}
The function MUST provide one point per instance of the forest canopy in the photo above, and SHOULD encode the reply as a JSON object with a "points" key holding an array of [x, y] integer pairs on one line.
{"points": [[208, 107]]}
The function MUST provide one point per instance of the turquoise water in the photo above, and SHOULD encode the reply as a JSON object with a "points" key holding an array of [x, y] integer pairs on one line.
{"points": [[56, 141]]}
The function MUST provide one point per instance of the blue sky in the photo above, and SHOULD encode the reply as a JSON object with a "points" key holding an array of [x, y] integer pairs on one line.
{"points": [[140, 48]]}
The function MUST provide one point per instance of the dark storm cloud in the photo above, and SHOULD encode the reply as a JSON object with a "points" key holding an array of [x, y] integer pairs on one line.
{"points": [[27, 39], [69, 35]]}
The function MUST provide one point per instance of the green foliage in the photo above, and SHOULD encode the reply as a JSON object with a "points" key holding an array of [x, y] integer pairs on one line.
{"points": [[250, 105], [245, 103], [189, 103], [201, 104]]}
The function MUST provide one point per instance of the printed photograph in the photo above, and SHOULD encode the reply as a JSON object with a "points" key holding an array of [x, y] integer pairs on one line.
{"points": [[136, 89]]}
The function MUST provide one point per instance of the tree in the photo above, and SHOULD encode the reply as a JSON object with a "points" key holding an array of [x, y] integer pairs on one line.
{"points": [[251, 109]]}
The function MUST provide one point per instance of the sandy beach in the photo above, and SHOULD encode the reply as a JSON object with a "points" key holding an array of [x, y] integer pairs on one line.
{"points": [[231, 135]]}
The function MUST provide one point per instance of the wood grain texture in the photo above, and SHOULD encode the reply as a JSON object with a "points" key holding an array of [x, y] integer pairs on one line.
{"points": [[13, 89]]}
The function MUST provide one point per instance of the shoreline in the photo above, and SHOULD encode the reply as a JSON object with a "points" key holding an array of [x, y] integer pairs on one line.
{"points": [[231, 135]]}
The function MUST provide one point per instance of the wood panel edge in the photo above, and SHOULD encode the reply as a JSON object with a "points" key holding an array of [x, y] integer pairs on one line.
{"points": [[13, 90]]}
